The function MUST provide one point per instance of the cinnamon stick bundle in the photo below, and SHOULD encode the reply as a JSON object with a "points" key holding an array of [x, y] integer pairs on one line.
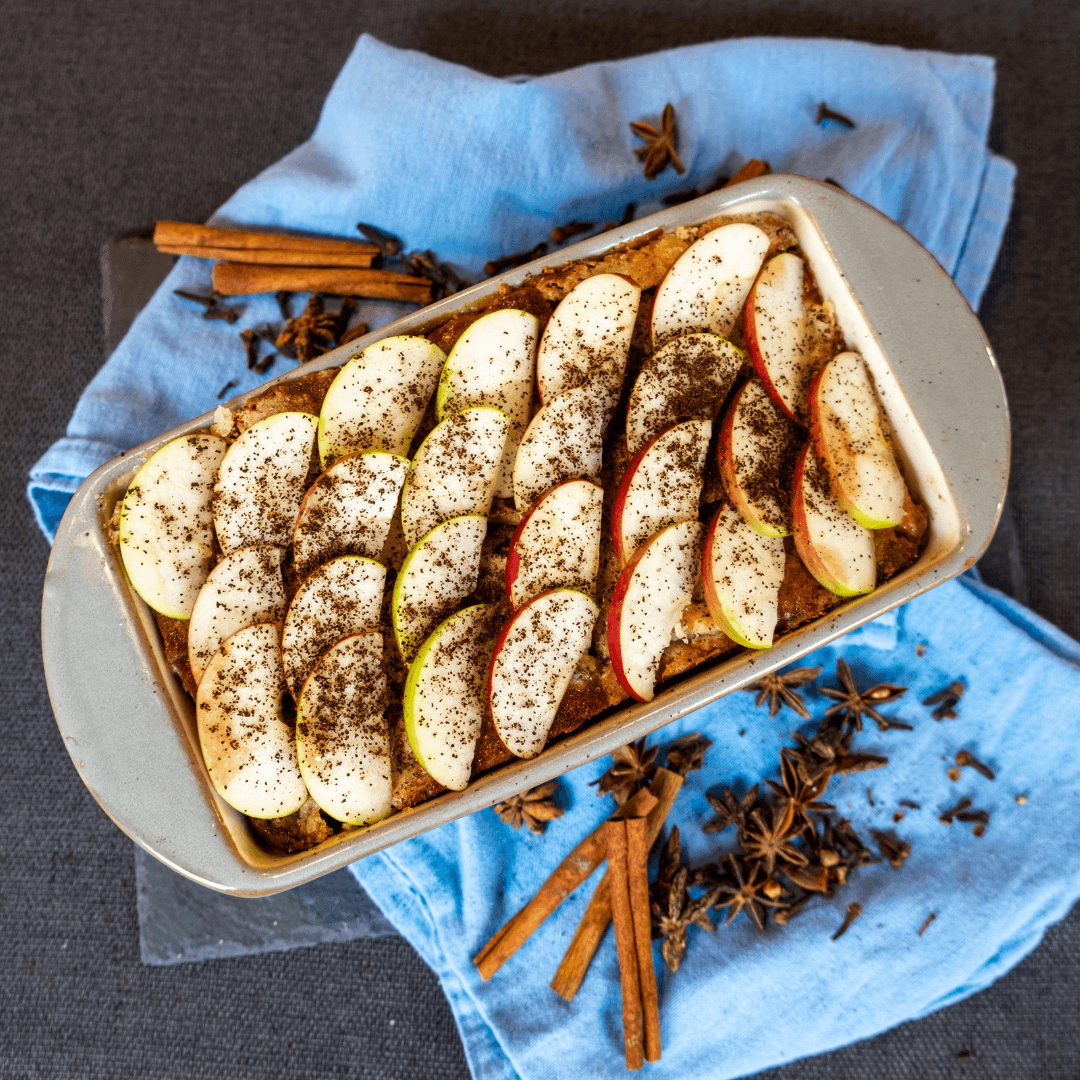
{"points": [[274, 256], [181, 234], [243, 279]]}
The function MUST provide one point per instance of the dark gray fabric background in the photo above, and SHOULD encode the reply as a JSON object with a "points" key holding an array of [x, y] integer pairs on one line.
{"points": [[114, 114]]}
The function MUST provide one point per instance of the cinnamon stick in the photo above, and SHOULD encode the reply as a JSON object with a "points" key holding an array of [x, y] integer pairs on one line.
{"points": [[594, 923], [750, 171], [637, 874], [273, 256], [181, 234], [622, 916], [242, 279], [568, 875]]}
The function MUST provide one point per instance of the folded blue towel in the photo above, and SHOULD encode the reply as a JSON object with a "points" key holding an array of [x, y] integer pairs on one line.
{"points": [[472, 167]]}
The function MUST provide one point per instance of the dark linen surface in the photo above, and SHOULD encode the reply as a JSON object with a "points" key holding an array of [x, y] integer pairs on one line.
{"points": [[112, 115]]}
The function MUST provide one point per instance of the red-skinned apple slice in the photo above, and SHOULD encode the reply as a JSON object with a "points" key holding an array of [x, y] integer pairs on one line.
{"points": [[532, 663], [262, 480], [563, 442], [557, 543], [845, 426], [661, 486], [648, 602], [834, 547], [455, 470], [445, 697], [245, 588], [774, 321], [707, 286], [342, 734], [248, 748], [166, 528], [349, 509], [687, 379], [742, 571], [757, 449], [341, 598], [587, 340]]}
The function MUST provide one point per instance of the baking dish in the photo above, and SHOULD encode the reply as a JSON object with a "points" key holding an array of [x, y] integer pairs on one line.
{"points": [[130, 727]]}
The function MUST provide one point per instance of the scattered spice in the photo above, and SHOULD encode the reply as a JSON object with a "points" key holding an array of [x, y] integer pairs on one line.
{"points": [[227, 387], [535, 808], [508, 262], [954, 773], [633, 769], [892, 848], [825, 113], [779, 688], [224, 314], [388, 245], [198, 298], [920, 650], [925, 926], [898, 816], [947, 816], [979, 830], [946, 701], [854, 910], [1021, 799], [963, 758], [659, 149], [311, 332], [853, 705], [571, 228]]}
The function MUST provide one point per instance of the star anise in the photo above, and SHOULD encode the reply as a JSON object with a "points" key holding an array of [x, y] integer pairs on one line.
{"points": [[767, 838], [633, 769], [730, 810], [687, 753], [534, 807], [745, 891], [670, 920], [852, 705], [310, 333], [803, 798], [779, 689], [819, 756], [659, 149]]}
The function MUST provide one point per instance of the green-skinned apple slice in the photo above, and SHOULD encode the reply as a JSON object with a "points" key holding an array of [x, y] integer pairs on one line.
{"points": [[379, 397], [342, 734], [742, 571], [647, 605], [494, 363], [687, 379], [262, 480], [248, 748], [349, 509], [563, 442], [434, 578], [845, 426], [532, 662], [455, 470], [557, 544], [587, 340], [834, 547], [757, 449], [445, 694], [707, 286], [774, 321], [166, 529], [341, 598], [245, 588], [661, 486]]}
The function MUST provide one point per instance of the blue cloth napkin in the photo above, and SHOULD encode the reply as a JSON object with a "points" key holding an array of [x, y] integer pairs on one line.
{"points": [[473, 166]]}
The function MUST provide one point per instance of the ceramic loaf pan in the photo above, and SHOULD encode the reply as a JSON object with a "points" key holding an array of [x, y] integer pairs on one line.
{"points": [[130, 728]]}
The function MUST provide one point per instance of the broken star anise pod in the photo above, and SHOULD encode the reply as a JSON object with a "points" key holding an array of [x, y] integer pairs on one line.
{"points": [[767, 838], [311, 332], [779, 688], [730, 810], [852, 705], [687, 753], [633, 769], [670, 920], [535, 808], [659, 149]]}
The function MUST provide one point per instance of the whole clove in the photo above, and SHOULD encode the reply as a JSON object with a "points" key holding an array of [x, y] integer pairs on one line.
{"points": [[197, 298], [854, 910], [892, 848], [571, 228], [911, 805], [284, 303], [628, 213], [251, 347], [963, 758], [388, 245], [227, 314], [947, 816], [825, 113], [974, 817], [946, 701], [508, 262], [227, 387], [926, 925]]}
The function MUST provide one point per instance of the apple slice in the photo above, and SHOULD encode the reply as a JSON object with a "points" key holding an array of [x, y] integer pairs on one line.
{"points": [[687, 379], [531, 665], [245, 588], [379, 397], [774, 320], [648, 602], [341, 598], [249, 750], [587, 340], [493, 363], [557, 544], [342, 734], [166, 529], [434, 578], [445, 701], [661, 486], [742, 571], [845, 426], [708, 285], [563, 442], [455, 470], [262, 480], [835, 548], [349, 509], [757, 450]]}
